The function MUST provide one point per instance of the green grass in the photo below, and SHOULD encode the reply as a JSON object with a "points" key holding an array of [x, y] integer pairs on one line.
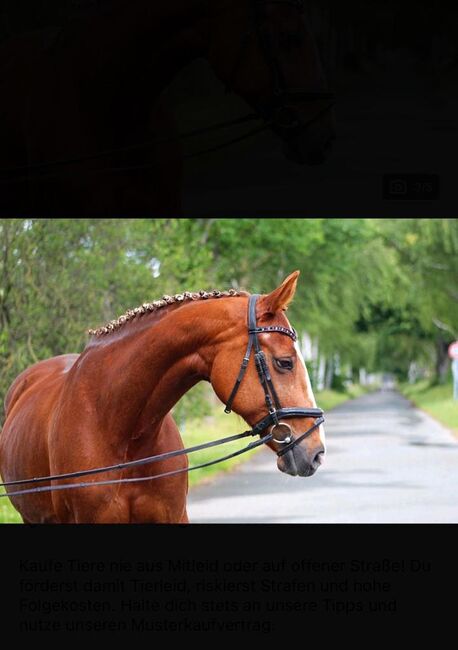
{"points": [[8, 515], [217, 425], [436, 400], [329, 399]]}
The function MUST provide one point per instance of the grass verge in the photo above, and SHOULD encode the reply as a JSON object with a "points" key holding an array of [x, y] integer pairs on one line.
{"points": [[8, 515], [329, 399], [217, 425], [436, 400]]}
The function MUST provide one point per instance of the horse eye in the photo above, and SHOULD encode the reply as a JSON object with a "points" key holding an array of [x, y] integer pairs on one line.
{"points": [[284, 364]]}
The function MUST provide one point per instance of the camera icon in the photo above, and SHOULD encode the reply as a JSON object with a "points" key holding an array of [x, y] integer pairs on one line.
{"points": [[410, 187], [397, 187]]}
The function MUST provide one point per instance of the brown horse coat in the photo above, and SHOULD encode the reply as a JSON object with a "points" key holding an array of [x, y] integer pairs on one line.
{"points": [[112, 404]]}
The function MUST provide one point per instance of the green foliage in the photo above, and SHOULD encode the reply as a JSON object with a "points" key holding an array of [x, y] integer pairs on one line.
{"points": [[8, 515], [427, 255], [58, 277], [199, 402], [423, 315], [379, 293]]}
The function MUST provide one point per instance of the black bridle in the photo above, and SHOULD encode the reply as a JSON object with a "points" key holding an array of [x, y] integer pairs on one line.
{"points": [[274, 418], [275, 411]]}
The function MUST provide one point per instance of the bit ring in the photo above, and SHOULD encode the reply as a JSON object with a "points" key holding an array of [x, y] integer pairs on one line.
{"points": [[285, 440]]}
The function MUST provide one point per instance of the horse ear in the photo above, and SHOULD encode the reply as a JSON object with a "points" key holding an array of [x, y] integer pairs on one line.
{"points": [[281, 297]]}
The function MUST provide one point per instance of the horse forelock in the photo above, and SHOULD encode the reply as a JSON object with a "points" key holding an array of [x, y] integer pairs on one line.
{"points": [[156, 305]]}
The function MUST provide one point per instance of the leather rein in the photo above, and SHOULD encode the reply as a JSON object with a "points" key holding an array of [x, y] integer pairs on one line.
{"points": [[274, 419]]}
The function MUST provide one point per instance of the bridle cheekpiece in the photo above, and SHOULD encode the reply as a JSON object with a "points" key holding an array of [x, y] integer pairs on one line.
{"points": [[275, 411]]}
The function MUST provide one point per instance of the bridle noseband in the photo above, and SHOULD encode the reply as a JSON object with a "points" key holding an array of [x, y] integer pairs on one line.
{"points": [[275, 411], [274, 419]]}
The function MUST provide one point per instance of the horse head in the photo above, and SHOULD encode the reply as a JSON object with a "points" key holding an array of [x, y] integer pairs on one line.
{"points": [[264, 51], [285, 370]]}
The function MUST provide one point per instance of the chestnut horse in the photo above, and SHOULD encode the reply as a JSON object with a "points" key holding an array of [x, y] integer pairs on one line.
{"points": [[98, 83], [111, 404]]}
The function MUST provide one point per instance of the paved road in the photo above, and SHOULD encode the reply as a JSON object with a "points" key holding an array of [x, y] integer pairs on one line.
{"points": [[386, 463]]}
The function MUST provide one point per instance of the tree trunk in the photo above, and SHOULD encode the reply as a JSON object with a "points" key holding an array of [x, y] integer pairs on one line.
{"points": [[321, 374], [329, 373], [442, 361]]}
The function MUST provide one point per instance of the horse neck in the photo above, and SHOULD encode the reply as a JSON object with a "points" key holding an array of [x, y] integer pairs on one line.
{"points": [[138, 375]]}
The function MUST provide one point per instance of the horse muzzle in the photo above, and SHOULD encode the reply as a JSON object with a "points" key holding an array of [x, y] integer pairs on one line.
{"points": [[300, 462]]}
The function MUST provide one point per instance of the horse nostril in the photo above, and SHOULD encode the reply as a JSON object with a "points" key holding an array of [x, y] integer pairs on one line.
{"points": [[318, 458]]}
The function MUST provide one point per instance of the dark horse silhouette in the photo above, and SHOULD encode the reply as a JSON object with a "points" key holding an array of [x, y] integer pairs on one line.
{"points": [[97, 84], [112, 404]]}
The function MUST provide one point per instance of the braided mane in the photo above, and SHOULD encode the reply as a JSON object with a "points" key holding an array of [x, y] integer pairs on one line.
{"points": [[166, 300]]}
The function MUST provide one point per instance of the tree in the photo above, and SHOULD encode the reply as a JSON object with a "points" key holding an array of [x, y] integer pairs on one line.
{"points": [[427, 253], [373, 293]]}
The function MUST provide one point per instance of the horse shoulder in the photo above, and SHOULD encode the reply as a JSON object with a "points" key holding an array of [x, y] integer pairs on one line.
{"points": [[32, 376]]}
